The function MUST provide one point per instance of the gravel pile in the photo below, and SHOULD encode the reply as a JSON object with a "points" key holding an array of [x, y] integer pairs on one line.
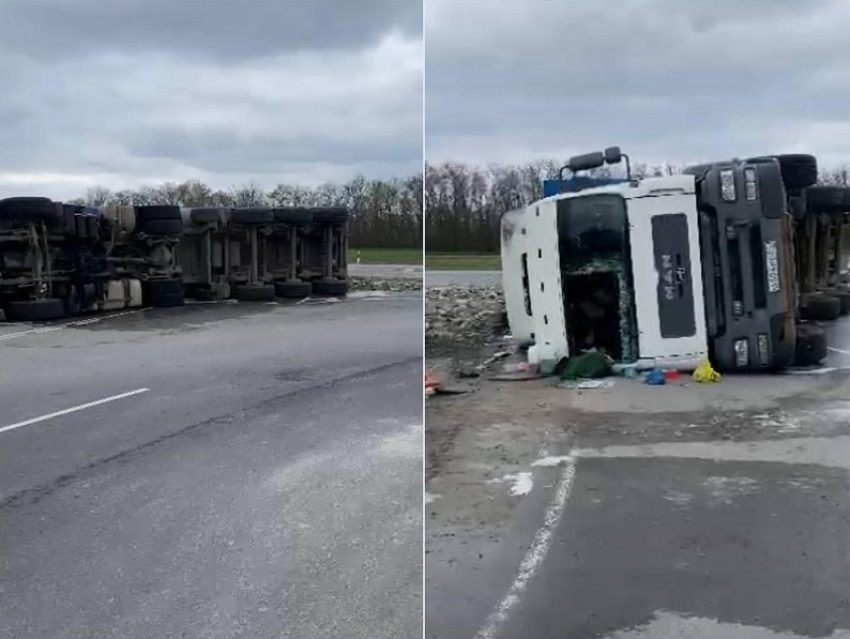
{"points": [[384, 284], [467, 315]]}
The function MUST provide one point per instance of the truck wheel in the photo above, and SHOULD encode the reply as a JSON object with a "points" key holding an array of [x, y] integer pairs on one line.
{"points": [[145, 213], [164, 292], [827, 199], [330, 287], [207, 215], [252, 216], [811, 345], [26, 209], [255, 293], [821, 308], [36, 310], [799, 170], [330, 215], [293, 289], [292, 215], [72, 302], [843, 296], [160, 227]]}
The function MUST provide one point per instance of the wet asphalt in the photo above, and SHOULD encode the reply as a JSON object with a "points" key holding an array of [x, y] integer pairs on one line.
{"points": [[267, 483]]}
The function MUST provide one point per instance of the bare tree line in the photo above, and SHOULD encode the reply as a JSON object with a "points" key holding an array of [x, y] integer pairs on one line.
{"points": [[384, 213], [464, 203]]}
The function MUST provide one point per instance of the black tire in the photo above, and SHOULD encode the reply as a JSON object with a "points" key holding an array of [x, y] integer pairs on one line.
{"points": [[36, 310], [71, 302], [330, 287], [255, 293], [330, 215], [799, 170], [811, 345], [843, 296], [252, 216], [27, 209], [821, 308], [208, 215], [293, 290], [160, 227], [81, 229], [163, 292], [293, 215], [827, 199], [145, 213], [92, 227]]}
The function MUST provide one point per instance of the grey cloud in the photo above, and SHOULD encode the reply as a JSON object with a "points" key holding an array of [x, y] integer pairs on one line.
{"points": [[294, 107], [677, 80], [225, 29]]}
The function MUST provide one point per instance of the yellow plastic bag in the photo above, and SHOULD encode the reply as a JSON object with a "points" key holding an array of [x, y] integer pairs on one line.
{"points": [[705, 374]]}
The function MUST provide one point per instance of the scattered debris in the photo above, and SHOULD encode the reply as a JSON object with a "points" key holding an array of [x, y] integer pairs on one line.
{"points": [[585, 384], [655, 377], [591, 365], [705, 374], [467, 315], [553, 461], [393, 284]]}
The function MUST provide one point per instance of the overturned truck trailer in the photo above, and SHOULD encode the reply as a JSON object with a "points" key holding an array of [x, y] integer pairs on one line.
{"points": [[59, 260], [261, 253]]}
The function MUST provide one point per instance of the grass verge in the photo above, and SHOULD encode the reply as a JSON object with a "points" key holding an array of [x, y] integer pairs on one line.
{"points": [[462, 262], [385, 255]]}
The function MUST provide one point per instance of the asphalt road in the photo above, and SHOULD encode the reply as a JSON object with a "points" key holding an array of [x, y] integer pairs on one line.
{"points": [[730, 523], [263, 481]]}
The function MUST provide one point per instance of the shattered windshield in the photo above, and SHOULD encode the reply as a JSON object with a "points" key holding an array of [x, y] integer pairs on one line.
{"points": [[591, 226]]}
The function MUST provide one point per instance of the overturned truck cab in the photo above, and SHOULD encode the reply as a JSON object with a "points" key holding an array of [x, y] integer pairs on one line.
{"points": [[659, 272]]}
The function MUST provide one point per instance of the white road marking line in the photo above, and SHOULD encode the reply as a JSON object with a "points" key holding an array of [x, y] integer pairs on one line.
{"points": [[59, 327], [838, 350], [43, 418], [535, 555]]}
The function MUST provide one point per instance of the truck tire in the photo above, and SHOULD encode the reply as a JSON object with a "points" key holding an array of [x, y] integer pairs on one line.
{"points": [[821, 308], [843, 296], [145, 213], [160, 227], [293, 290], [292, 215], [811, 345], [255, 293], [36, 310], [827, 199], [92, 227], [330, 287], [208, 215], [799, 170], [164, 292], [252, 216], [330, 215], [27, 209]]}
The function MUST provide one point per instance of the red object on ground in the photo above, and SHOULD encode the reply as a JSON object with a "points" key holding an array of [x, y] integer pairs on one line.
{"points": [[431, 384], [671, 376]]}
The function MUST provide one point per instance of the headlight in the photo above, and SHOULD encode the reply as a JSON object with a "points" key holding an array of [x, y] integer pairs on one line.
{"points": [[750, 188], [764, 349], [742, 352], [727, 185]]}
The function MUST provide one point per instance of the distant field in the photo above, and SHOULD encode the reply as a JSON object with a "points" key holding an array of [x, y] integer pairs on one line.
{"points": [[462, 262], [385, 256]]}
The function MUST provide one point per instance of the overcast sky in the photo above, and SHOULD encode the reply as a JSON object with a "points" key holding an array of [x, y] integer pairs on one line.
{"points": [[667, 80], [130, 92]]}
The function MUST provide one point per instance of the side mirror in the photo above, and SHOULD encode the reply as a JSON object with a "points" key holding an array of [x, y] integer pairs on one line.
{"points": [[613, 155], [586, 161]]}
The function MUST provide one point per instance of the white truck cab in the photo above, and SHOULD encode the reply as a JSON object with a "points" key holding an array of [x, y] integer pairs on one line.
{"points": [[615, 267]]}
